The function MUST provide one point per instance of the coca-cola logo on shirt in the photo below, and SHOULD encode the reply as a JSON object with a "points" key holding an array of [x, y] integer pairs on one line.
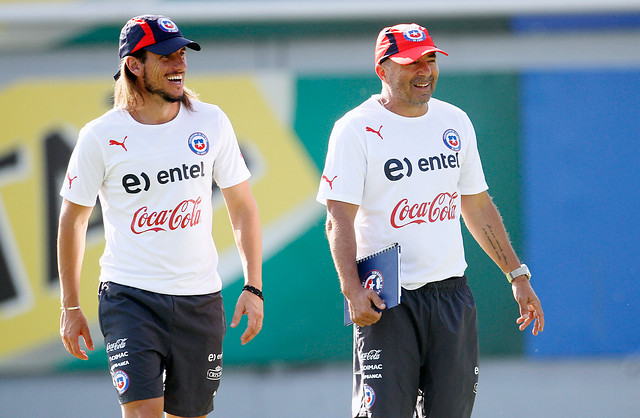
{"points": [[441, 208], [185, 214]]}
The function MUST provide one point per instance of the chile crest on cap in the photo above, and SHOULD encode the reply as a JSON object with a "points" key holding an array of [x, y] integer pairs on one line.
{"points": [[167, 25], [414, 34]]}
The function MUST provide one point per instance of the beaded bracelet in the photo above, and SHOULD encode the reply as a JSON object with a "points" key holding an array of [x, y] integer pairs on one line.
{"points": [[253, 290]]}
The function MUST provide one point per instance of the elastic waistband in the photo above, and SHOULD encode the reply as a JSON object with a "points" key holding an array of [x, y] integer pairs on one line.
{"points": [[452, 283], [104, 286]]}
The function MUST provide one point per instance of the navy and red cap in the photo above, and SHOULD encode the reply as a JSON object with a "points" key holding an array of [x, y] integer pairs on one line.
{"points": [[157, 34], [154, 33], [404, 43]]}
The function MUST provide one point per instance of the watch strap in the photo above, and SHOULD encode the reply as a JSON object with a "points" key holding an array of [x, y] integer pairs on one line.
{"points": [[522, 270]]}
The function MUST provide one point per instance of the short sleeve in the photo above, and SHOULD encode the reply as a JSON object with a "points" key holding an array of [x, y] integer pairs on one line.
{"points": [[85, 172], [229, 168], [472, 180], [343, 177]]}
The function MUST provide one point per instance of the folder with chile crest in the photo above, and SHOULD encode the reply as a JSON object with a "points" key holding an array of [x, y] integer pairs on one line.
{"points": [[380, 271]]}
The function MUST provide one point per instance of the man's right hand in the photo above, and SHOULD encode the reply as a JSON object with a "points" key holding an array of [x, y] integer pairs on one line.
{"points": [[361, 307]]}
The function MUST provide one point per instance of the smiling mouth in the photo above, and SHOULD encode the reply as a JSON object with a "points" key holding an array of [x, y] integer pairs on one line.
{"points": [[176, 79]]}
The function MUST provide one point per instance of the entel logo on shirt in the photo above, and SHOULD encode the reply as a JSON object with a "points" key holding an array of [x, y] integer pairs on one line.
{"points": [[439, 209], [396, 169]]}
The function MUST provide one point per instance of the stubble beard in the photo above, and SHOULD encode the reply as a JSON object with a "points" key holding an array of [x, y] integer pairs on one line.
{"points": [[163, 94], [405, 94], [418, 101]]}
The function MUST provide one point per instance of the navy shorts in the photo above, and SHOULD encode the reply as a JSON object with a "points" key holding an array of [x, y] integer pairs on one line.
{"points": [[421, 356], [163, 346]]}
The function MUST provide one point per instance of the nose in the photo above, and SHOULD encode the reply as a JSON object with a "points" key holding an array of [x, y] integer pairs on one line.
{"points": [[179, 61], [425, 67]]}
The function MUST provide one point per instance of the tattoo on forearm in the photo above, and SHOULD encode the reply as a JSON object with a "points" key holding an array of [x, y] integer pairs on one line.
{"points": [[495, 243]]}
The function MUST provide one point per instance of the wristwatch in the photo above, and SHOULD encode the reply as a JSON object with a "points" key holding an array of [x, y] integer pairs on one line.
{"points": [[523, 269]]}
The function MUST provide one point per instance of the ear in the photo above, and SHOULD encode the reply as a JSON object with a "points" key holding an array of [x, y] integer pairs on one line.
{"points": [[381, 71], [134, 65]]}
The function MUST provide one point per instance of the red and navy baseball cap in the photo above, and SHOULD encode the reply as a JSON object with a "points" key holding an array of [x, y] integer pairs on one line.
{"points": [[157, 34], [154, 33], [404, 43]]}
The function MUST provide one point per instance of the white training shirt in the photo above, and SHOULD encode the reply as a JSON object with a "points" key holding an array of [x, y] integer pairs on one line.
{"points": [[406, 174], [155, 185]]}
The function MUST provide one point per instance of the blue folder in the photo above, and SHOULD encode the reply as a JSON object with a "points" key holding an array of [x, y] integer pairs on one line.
{"points": [[380, 271]]}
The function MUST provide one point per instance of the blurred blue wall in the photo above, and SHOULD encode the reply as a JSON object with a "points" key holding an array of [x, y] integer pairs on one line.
{"points": [[582, 184]]}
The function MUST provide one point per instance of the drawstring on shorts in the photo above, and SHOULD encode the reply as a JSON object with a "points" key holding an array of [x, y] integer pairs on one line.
{"points": [[450, 283], [435, 286]]}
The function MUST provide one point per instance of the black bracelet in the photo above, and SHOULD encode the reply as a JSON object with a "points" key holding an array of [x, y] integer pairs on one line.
{"points": [[254, 290]]}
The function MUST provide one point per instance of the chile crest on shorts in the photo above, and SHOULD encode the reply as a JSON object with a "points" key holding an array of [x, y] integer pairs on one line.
{"points": [[374, 281], [452, 140], [121, 381], [199, 143], [369, 396]]}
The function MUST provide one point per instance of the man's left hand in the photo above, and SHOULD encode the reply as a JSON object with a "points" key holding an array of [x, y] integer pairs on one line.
{"points": [[530, 307], [253, 307]]}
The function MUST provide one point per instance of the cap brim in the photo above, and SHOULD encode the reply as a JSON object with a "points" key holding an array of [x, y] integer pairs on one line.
{"points": [[168, 47], [410, 55], [171, 45]]}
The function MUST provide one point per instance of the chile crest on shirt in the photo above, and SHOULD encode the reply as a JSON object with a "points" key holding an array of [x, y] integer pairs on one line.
{"points": [[199, 143], [452, 140]]}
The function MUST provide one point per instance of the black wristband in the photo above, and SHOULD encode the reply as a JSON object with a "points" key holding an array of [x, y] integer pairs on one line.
{"points": [[253, 290]]}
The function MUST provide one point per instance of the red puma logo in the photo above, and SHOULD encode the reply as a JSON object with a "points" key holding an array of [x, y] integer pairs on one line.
{"points": [[71, 179], [375, 132], [325, 178], [114, 142]]}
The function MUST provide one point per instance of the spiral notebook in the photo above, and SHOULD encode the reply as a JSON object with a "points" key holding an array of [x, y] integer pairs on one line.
{"points": [[380, 271]]}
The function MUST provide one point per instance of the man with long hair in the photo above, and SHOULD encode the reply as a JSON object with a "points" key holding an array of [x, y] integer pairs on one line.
{"points": [[152, 160]]}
